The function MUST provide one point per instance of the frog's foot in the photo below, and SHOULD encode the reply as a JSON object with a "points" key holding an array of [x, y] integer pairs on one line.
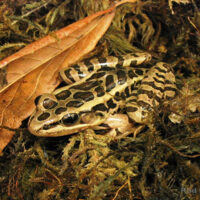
{"points": [[137, 113]]}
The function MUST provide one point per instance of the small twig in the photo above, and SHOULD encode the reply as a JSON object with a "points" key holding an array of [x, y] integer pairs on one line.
{"points": [[120, 189], [10, 129], [193, 25], [11, 45], [125, 1], [178, 152], [35, 9], [76, 154]]}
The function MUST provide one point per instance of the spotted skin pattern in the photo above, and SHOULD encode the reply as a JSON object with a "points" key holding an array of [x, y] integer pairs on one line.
{"points": [[98, 88]]}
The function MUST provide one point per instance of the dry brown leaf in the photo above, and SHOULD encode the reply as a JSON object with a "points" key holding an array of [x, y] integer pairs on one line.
{"points": [[27, 59], [34, 69]]}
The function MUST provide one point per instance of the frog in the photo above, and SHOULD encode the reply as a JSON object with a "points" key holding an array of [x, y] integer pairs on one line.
{"points": [[111, 92]]}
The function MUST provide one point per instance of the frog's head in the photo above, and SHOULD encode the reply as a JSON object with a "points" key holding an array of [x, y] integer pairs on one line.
{"points": [[56, 116]]}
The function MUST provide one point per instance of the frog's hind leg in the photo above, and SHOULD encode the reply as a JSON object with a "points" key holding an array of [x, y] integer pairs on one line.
{"points": [[79, 71], [158, 84], [82, 70]]}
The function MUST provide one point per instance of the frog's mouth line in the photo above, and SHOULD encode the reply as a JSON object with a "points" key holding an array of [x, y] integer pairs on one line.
{"points": [[61, 130], [55, 129]]}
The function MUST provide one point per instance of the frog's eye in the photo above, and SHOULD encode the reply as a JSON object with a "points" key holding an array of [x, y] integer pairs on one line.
{"points": [[49, 103], [69, 118]]}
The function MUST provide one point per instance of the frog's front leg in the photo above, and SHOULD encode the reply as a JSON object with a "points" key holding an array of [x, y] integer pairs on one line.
{"points": [[158, 84], [119, 123], [119, 126]]}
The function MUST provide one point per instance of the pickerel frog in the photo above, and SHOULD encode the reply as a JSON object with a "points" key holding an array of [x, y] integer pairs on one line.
{"points": [[100, 90]]}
